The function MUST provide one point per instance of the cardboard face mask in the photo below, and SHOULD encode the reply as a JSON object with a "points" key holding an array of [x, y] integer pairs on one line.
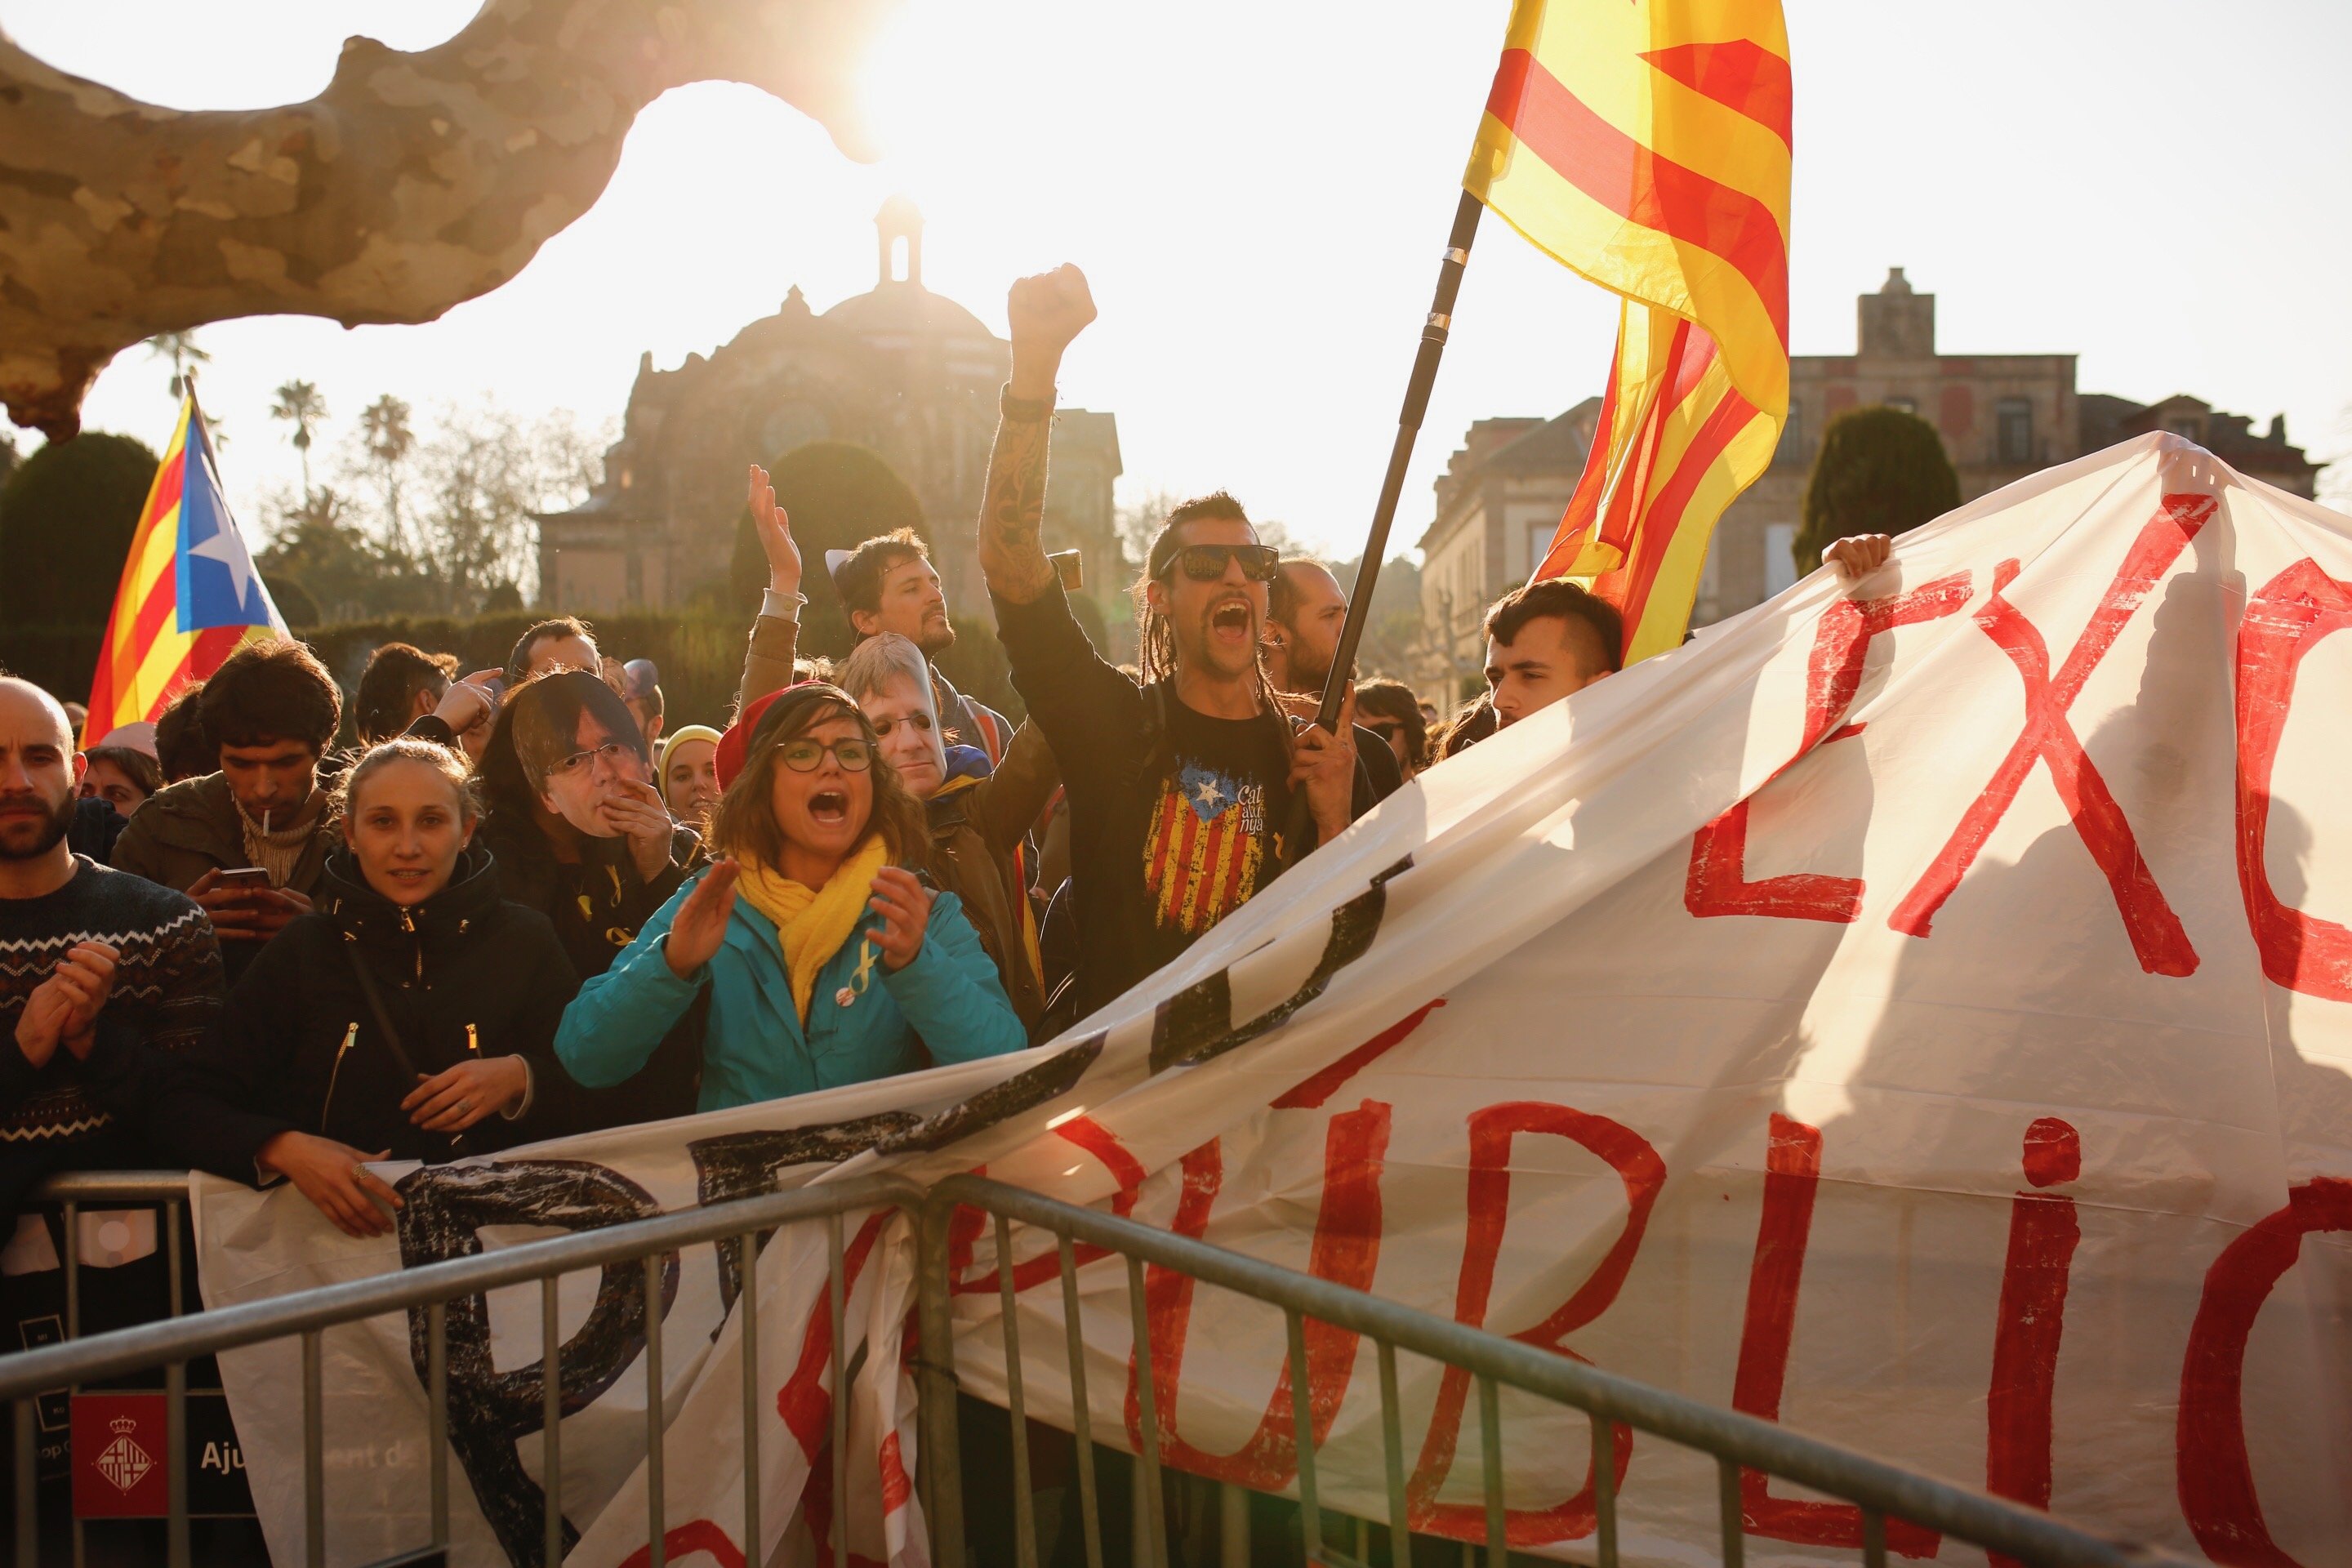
{"points": [[577, 745]]}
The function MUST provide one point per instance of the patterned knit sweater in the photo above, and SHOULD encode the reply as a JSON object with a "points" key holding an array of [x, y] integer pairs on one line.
{"points": [[167, 991]]}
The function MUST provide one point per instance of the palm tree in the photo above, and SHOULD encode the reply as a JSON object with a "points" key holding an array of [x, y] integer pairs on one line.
{"points": [[182, 349], [300, 404], [385, 431]]}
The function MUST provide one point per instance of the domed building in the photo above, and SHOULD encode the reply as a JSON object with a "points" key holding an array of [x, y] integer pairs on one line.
{"points": [[910, 373]]}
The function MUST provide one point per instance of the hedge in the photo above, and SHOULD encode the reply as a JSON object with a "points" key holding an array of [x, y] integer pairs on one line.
{"points": [[700, 656]]}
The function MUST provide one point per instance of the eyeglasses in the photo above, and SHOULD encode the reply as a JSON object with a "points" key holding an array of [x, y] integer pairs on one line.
{"points": [[1206, 562], [806, 756], [884, 726], [610, 753]]}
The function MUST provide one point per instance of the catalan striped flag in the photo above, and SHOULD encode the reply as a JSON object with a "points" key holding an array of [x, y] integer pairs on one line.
{"points": [[189, 595], [1646, 145]]}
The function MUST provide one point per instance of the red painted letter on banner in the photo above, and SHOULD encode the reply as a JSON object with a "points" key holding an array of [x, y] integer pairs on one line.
{"points": [[1793, 1172], [1717, 884], [1346, 1250], [1637, 1165], [2216, 1480], [2048, 737], [2283, 622], [2042, 1234]]}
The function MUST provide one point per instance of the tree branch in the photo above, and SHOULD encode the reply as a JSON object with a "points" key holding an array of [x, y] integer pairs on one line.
{"points": [[413, 183]]}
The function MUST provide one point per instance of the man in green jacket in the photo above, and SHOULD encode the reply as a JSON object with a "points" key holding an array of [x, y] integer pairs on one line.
{"points": [[248, 842]]}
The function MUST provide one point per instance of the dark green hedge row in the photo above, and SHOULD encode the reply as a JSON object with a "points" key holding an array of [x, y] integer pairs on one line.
{"points": [[700, 656]]}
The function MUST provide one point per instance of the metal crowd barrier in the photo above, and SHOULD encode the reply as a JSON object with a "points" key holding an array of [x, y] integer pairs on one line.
{"points": [[1737, 1442], [70, 1194], [308, 1313]]}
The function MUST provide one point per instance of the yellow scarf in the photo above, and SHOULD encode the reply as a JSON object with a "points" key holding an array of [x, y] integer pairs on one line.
{"points": [[813, 924]]}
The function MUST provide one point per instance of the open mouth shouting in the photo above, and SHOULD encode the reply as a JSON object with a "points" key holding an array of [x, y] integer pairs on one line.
{"points": [[829, 808], [1231, 621]]}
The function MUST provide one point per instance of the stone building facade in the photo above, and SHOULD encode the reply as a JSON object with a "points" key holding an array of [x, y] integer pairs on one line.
{"points": [[908, 372], [2002, 416]]}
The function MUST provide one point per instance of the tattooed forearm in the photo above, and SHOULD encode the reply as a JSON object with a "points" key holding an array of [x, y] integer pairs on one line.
{"points": [[1012, 507]]}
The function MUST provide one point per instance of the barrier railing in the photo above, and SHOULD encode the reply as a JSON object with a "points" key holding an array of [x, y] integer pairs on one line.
{"points": [[308, 1313], [1736, 1442], [168, 1190]]}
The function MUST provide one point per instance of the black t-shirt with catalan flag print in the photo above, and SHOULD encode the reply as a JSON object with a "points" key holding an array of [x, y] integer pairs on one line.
{"points": [[1220, 800], [1176, 817]]}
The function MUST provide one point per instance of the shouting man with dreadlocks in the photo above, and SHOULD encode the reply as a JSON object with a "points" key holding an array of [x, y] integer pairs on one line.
{"points": [[1181, 791]]}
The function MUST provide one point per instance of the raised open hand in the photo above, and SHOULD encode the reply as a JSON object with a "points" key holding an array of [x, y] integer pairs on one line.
{"points": [[700, 923], [774, 527]]}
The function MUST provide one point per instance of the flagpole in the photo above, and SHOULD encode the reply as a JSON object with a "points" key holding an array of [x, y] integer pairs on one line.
{"points": [[1416, 403]]}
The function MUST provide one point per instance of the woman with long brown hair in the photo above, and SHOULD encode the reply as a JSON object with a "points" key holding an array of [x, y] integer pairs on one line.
{"points": [[826, 959]]}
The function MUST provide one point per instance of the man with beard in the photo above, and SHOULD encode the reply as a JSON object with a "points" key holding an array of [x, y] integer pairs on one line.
{"points": [[98, 967], [1180, 789], [887, 584], [1305, 608]]}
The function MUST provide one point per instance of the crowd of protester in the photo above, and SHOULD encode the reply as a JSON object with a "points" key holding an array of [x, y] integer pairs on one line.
{"points": [[527, 904]]}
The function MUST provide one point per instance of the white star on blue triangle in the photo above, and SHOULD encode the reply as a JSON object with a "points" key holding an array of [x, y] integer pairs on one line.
{"points": [[218, 585]]}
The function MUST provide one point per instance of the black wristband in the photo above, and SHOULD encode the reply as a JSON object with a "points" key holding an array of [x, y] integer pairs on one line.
{"points": [[1023, 410]]}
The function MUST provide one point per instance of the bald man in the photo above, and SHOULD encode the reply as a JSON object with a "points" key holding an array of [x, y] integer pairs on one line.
{"points": [[104, 968]]}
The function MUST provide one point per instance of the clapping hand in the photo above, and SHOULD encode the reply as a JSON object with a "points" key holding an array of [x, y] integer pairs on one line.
{"points": [[64, 1006], [905, 905], [700, 923]]}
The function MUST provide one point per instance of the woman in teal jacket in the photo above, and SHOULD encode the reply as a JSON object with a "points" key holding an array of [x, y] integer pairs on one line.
{"points": [[827, 961]]}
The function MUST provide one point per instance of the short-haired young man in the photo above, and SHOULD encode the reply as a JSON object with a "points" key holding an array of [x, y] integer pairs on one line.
{"points": [[270, 713], [888, 585], [401, 684], [180, 748], [1181, 789], [101, 968], [1546, 641], [1552, 638], [562, 643]]}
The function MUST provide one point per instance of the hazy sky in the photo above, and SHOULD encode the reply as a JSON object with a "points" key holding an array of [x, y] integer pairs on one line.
{"points": [[1259, 194]]}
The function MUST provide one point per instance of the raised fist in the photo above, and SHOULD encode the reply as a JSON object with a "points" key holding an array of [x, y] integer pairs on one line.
{"points": [[1049, 309]]}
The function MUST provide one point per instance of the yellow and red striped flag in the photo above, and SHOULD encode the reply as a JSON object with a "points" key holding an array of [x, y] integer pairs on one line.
{"points": [[1646, 145], [189, 595]]}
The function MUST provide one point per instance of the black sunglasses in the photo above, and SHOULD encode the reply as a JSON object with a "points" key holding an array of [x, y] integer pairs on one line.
{"points": [[1206, 562]]}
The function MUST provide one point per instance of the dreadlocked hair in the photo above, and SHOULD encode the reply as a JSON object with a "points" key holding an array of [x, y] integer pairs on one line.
{"points": [[1155, 636]]}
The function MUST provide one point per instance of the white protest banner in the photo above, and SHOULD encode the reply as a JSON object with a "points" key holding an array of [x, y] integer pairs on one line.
{"points": [[1911, 1011]]}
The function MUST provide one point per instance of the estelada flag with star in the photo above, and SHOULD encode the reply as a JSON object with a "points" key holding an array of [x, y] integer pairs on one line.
{"points": [[189, 595], [1646, 145]]}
